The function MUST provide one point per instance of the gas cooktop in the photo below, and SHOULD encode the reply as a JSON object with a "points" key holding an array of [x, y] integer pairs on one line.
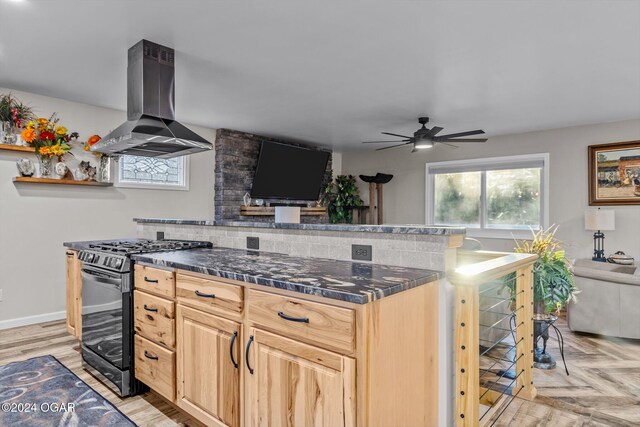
{"points": [[114, 255], [129, 247]]}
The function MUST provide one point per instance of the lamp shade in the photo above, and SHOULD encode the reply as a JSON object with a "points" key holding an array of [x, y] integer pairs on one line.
{"points": [[598, 219]]}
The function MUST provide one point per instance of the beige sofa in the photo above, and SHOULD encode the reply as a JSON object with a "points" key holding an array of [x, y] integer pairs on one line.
{"points": [[609, 299]]}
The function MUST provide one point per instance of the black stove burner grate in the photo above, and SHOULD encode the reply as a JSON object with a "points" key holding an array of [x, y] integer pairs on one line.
{"points": [[129, 247]]}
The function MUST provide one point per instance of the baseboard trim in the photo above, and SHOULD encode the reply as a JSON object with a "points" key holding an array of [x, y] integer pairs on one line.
{"points": [[32, 320]]}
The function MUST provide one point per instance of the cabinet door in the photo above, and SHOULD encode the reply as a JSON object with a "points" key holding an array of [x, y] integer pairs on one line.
{"points": [[207, 373], [74, 297], [297, 385]]}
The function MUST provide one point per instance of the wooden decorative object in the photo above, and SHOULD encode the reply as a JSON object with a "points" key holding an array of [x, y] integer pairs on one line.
{"points": [[271, 211], [26, 179], [614, 174], [12, 147]]}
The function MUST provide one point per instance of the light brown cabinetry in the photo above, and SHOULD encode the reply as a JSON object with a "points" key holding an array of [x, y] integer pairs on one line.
{"points": [[155, 366], [74, 294], [154, 313], [208, 372], [295, 384], [245, 355]]}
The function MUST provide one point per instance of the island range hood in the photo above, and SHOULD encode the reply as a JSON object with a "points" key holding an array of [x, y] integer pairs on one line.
{"points": [[151, 129]]}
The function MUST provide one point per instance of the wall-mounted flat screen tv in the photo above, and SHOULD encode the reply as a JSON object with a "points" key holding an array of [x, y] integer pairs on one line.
{"points": [[289, 172]]}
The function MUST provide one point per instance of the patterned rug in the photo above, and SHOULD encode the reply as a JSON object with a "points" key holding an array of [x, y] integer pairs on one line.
{"points": [[43, 392]]}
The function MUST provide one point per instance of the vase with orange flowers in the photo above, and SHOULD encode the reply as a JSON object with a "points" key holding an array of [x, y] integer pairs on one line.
{"points": [[103, 173], [49, 139]]}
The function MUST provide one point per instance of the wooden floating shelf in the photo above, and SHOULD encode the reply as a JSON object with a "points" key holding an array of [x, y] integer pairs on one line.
{"points": [[271, 211], [60, 181], [12, 147]]}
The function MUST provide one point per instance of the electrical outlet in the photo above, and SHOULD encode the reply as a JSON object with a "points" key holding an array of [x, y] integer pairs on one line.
{"points": [[361, 252], [253, 243], [160, 235]]}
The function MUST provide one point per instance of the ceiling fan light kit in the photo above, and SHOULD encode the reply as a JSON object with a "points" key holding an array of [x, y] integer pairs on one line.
{"points": [[425, 138]]}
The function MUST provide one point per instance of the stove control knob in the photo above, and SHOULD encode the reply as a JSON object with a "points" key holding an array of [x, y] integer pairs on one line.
{"points": [[119, 263]]}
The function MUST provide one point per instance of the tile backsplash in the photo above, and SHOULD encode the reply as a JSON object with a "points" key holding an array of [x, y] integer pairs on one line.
{"points": [[404, 250]]}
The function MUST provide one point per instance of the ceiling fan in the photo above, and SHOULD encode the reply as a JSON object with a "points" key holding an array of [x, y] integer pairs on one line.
{"points": [[426, 138]]}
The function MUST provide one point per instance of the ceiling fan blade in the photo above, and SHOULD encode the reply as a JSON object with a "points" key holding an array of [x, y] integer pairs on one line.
{"points": [[393, 146], [395, 134], [434, 131], [450, 145], [456, 135], [377, 142], [461, 140]]}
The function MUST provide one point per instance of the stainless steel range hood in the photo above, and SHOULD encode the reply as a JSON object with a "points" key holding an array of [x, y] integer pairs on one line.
{"points": [[151, 129]]}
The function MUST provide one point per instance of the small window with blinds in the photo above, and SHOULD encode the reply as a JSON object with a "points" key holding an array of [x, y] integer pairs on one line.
{"points": [[492, 197]]}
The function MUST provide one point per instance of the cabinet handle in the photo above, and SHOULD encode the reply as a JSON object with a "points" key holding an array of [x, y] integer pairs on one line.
{"points": [[200, 294], [246, 354], [150, 356], [293, 319], [146, 279], [155, 310], [233, 340], [70, 253]]}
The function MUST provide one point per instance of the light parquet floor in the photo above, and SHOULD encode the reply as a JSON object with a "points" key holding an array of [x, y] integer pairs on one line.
{"points": [[602, 390], [52, 338]]}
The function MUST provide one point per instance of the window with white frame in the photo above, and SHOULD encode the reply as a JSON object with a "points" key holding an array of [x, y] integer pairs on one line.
{"points": [[151, 172], [492, 196]]}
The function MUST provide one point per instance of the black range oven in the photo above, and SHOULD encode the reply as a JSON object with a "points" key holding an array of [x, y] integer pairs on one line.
{"points": [[107, 308]]}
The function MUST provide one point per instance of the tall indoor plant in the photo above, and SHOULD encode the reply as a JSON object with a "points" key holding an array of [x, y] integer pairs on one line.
{"points": [[553, 284], [340, 196]]}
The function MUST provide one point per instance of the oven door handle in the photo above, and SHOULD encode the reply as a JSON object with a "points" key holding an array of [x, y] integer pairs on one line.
{"points": [[90, 275]]}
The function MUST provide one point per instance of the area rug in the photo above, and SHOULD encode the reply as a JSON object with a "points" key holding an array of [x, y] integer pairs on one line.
{"points": [[43, 392]]}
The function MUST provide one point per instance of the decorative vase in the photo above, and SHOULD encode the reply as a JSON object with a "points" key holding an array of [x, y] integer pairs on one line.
{"points": [[104, 169], [45, 167], [7, 134]]}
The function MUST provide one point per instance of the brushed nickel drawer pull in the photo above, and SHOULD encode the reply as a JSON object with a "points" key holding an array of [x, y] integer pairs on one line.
{"points": [[150, 356], [200, 294], [155, 310], [293, 319]]}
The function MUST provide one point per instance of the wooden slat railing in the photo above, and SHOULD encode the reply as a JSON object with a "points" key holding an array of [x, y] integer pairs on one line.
{"points": [[477, 269]]}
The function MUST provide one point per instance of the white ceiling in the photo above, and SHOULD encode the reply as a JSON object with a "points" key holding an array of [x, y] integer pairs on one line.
{"points": [[340, 72]]}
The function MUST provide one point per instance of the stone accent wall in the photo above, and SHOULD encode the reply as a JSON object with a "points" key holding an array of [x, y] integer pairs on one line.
{"points": [[403, 250], [236, 161]]}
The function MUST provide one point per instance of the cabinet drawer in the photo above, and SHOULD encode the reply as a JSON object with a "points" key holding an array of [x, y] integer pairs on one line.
{"points": [[155, 281], [325, 325], [208, 295], [154, 318], [156, 367]]}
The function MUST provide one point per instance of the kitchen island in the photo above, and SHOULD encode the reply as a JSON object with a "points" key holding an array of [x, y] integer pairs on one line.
{"points": [[236, 337]]}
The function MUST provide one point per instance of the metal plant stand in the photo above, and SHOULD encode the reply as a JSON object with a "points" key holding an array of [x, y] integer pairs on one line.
{"points": [[542, 359]]}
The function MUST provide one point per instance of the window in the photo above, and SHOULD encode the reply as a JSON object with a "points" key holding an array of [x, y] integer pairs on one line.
{"points": [[151, 172], [494, 197]]}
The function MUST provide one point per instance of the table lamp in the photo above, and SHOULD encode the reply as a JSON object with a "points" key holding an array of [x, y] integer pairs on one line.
{"points": [[598, 220]]}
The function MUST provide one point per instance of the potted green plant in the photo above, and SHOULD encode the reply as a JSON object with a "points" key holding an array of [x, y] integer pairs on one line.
{"points": [[553, 287], [340, 196], [553, 284]]}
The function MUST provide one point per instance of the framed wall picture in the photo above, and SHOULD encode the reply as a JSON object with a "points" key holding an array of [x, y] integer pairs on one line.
{"points": [[614, 174]]}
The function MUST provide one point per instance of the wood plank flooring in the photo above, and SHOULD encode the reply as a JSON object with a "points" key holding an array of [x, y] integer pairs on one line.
{"points": [[52, 338], [602, 390]]}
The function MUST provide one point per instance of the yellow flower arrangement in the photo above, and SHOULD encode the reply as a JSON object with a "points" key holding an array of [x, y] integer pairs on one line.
{"points": [[47, 137]]}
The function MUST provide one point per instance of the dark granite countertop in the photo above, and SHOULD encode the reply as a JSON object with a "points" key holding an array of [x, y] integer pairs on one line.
{"points": [[386, 228], [358, 283]]}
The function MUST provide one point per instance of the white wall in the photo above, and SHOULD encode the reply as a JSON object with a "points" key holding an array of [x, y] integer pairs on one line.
{"points": [[36, 219], [404, 198]]}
